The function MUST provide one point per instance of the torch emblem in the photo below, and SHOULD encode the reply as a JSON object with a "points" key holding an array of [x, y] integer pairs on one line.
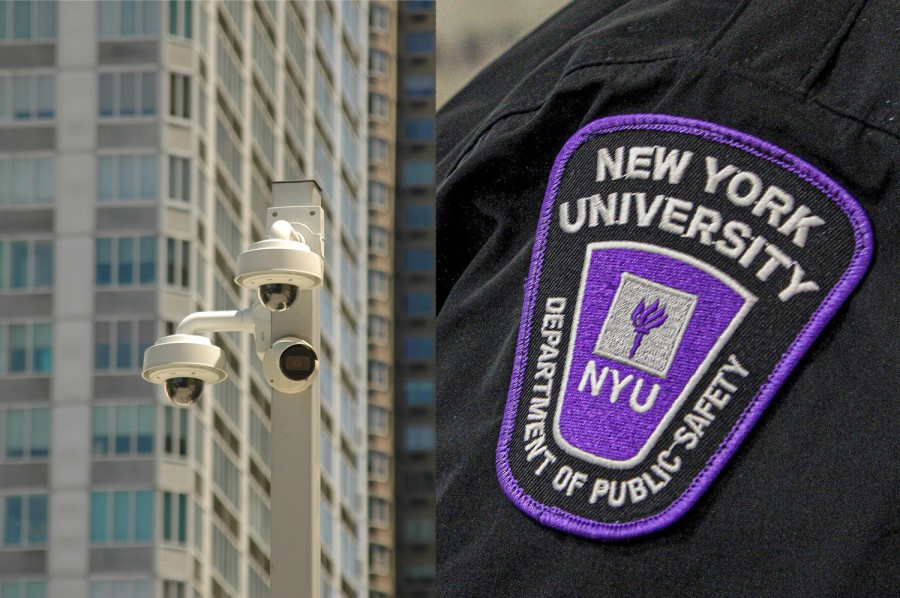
{"points": [[645, 319]]}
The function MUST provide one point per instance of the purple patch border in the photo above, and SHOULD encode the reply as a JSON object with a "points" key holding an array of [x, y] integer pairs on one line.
{"points": [[560, 519]]}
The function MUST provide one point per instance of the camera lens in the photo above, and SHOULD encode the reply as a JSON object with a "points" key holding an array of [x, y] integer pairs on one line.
{"points": [[298, 362], [183, 391], [277, 296]]}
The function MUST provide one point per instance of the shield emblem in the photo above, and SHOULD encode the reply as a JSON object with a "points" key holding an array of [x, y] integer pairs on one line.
{"points": [[645, 334]]}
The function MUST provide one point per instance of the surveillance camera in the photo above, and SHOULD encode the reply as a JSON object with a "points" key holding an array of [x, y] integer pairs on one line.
{"points": [[290, 365], [183, 364], [279, 269]]}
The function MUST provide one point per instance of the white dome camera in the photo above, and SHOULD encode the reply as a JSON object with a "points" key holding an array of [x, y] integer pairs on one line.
{"points": [[290, 365], [280, 267], [183, 363]]}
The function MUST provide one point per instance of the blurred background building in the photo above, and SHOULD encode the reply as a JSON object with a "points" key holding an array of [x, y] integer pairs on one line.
{"points": [[471, 33], [138, 141]]}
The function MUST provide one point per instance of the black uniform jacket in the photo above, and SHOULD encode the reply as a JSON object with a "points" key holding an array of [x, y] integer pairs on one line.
{"points": [[809, 504]]}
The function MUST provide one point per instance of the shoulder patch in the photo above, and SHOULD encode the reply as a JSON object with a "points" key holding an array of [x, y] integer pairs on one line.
{"points": [[680, 270]]}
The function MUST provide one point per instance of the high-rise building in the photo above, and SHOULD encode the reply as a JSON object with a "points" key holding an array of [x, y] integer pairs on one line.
{"points": [[382, 142], [414, 275], [138, 142]]}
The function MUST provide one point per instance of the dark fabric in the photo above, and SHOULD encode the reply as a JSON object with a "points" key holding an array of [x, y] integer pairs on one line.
{"points": [[809, 504]]}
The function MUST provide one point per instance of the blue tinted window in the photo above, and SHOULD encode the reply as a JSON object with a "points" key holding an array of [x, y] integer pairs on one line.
{"points": [[143, 516], [146, 415], [420, 42], [99, 517], [20, 265], [418, 173], [43, 263], [42, 352], [419, 393], [419, 347], [101, 430], [418, 438], [419, 304], [420, 129], [104, 262], [22, 19], [121, 516], [18, 347], [420, 216], [40, 432], [148, 260], [124, 429], [418, 260], [12, 521], [107, 95], [420, 4], [420, 86], [37, 519], [15, 433], [126, 260]]}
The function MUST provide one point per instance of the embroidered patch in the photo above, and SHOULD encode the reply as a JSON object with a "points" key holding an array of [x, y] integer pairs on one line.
{"points": [[680, 271]]}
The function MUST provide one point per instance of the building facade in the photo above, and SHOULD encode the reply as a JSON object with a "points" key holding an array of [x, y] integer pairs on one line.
{"points": [[414, 272], [382, 165], [138, 142]]}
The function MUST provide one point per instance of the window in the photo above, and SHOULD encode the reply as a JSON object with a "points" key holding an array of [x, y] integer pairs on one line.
{"points": [[419, 529], [326, 526], [418, 437], [378, 63], [378, 284], [420, 129], [380, 18], [349, 483], [228, 69], [178, 263], [24, 520], [378, 465], [122, 517], [180, 179], [179, 95], [225, 557], [419, 303], [418, 261], [28, 589], [127, 94], [126, 177], [378, 240], [128, 17], [421, 574], [26, 180], [26, 97], [26, 432], [26, 264], [379, 559], [180, 18], [228, 149], [226, 475], [419, 86], [123, 430], [420, 42], [260, 516], [420, 4], [378, 106], [378, 329], [378, 150], [378, 375], [27, 20], [29, 348], [175, 432], [418, 393], [378, 195], [125, 261], [174, 519], [379, 420], [379, 511], [420, 216], [418, 348], [120, 345], [418, 174]]}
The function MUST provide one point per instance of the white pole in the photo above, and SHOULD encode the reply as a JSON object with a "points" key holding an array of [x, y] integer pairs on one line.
{"points": [[296, 550]]}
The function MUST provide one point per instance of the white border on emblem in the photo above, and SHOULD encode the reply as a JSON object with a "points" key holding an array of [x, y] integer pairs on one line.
{"points": [[749, 300]]}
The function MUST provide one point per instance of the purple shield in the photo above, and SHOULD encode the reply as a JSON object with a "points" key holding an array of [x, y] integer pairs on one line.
{"points": [[649, 323]]}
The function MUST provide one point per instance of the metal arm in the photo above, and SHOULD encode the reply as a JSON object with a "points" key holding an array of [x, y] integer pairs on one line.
{"points": [[217, 321]]}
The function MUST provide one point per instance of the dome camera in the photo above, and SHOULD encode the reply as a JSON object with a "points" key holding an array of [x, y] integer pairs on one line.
{"points": [[279, 267], [290, 365], [184, 364]]}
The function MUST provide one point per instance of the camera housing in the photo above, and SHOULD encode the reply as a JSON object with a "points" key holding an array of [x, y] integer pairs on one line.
{"points": [[184, 364], [280, 267], [290, 365]]}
